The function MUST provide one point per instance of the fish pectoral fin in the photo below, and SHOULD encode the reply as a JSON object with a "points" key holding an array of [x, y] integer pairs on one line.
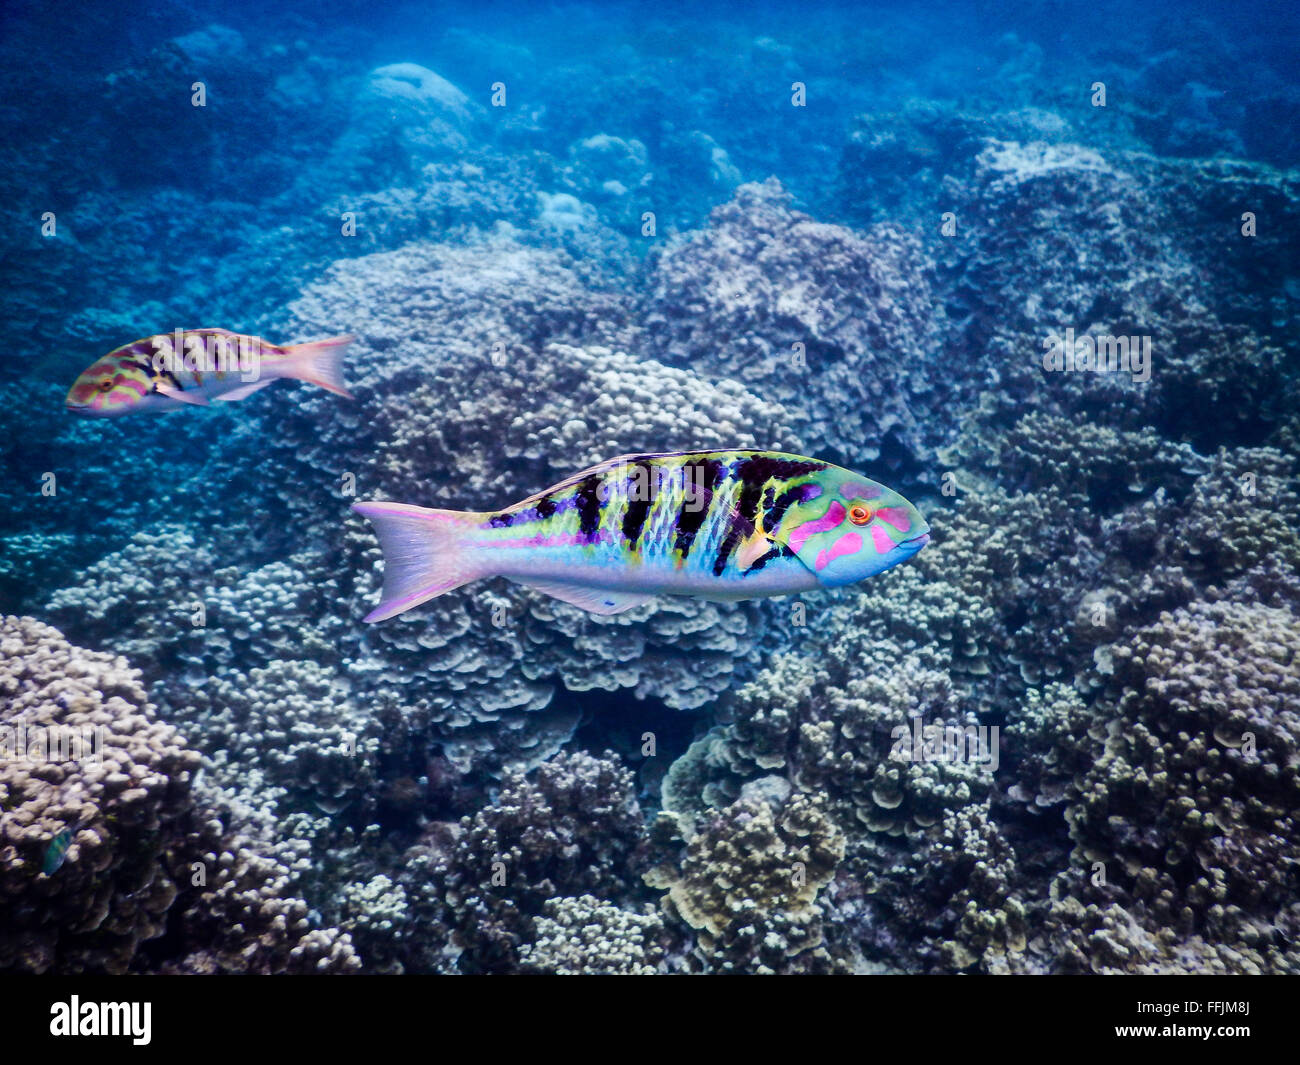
{"points": [[593, 600], [182, 395], [243, 390]]}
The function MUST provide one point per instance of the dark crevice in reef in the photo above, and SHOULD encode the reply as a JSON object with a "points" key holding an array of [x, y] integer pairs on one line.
{"points": [[619, 722]]}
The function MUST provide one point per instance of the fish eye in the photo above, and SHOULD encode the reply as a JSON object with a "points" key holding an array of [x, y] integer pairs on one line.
{"points": [[859, 515], [106, 386]]}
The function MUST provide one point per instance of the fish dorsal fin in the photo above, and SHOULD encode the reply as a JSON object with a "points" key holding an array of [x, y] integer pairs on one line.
{"points": [[146, 347], [243, 390], [603, 467], [624, 460], [569, 481], [593, 600], [180, 394]]}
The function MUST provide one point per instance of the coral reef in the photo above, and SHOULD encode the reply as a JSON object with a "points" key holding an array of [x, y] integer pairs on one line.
{"points": [[494, 656], [1063, 738], [748, 886], [813, 316], [86, 763], [584, 936], [571, 830], [247, 921], [107, 844], [1189, 807]]}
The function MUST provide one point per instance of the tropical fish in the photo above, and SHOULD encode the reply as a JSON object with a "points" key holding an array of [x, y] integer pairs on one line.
{"points": [[192, 367], [719, 525], [57, 850]]}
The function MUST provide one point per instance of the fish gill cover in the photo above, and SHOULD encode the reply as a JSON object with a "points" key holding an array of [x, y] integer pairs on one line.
{"points": [[1037, 272]]}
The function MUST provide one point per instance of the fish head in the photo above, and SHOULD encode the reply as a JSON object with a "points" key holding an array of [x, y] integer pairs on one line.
{"points": [[846, 527], [110, 386]]}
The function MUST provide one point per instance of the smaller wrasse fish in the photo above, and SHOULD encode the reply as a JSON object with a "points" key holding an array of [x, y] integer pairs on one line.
{"points": [[721, 525], [193, 367], [56, 852]]}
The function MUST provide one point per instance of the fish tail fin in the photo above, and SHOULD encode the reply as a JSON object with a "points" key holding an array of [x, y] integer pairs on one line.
{"points": [[424, 553], [319, 362]]}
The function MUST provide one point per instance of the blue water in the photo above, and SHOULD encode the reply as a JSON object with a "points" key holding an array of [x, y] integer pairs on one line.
{"points": [[845, 230]]}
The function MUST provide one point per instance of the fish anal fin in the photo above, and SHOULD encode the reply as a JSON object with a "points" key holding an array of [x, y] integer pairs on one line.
{"points": [[592, 600], [183, 396], [243, 391]]}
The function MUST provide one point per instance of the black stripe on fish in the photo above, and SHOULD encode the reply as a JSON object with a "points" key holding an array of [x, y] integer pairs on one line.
{"points": [[763, 468], [753, 480], [588, 496], [775, 551], [700, 480], [776, 511], [737, 529], [543, 509], [754, 472], [640, 500], [143, 351]]}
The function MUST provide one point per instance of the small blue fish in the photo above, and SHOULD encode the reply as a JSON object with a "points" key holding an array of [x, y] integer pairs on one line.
{"points": [[57, 851]]}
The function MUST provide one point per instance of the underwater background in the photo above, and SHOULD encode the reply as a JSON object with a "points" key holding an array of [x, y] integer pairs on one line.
{"points": [[565, 233]]}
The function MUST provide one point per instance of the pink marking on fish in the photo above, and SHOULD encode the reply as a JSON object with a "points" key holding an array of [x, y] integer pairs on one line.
{"points": [[830, 520], [398, 508], [562, 540], [859, 490], [896, 516], [845, 545], [883, 543]]}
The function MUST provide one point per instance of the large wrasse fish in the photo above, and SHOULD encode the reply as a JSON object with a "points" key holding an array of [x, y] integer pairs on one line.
{"points": [[192, 367], [719, 525]]}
